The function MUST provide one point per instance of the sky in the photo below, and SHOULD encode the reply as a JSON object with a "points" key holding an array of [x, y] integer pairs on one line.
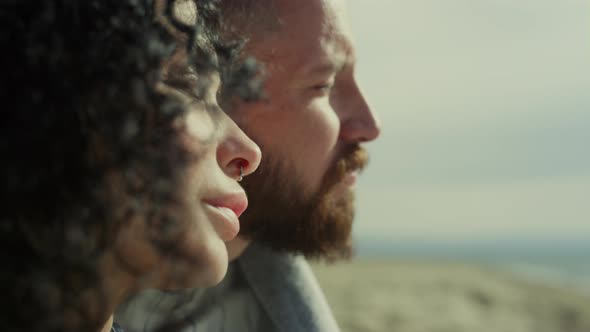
{"points": [[485, 113]]}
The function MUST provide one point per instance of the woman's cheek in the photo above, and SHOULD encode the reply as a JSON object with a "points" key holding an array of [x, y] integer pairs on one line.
{"points": [[200, 125]]}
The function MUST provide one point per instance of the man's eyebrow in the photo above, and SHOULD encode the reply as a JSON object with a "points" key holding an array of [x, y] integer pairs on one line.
{"points": [[324, 68], [331, 64]]}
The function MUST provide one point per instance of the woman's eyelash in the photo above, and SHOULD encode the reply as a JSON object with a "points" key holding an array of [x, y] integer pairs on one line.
{"points": [[212, 107], [202, 105]]}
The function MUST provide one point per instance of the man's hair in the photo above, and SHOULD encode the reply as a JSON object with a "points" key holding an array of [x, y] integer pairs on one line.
{"points": [[248, 18], [80, 101]]}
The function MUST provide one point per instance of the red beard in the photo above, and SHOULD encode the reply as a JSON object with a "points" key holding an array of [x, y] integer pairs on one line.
{"points": [[280, 216]]}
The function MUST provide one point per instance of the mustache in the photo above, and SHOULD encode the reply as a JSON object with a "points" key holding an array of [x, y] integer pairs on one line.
{"points": [[353, 158]]}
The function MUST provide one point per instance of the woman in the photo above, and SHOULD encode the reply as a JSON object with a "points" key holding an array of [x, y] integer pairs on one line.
{"points": [[120, 172]]}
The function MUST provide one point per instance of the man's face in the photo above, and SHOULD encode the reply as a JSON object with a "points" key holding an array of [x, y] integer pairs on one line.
{"points": [[309, 127]]}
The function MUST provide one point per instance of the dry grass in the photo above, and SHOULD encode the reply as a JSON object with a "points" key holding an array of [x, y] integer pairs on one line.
{"points": [[446, 297]]}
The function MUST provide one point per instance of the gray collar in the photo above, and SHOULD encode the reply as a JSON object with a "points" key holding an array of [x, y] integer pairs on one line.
{"points": [[287, 290]]}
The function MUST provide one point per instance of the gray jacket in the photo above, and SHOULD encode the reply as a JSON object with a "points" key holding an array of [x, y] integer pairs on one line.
{"points": [[263, 291]]}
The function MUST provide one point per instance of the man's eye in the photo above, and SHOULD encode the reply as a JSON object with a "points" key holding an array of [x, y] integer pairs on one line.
{"points": [[323, 87]]}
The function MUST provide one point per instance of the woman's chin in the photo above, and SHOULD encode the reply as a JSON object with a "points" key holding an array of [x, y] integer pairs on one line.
{"points": [[214, 271], [207, 270], [214, 277], [213, 265]]}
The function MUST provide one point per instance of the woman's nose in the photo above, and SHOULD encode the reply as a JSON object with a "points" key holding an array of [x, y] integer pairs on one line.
{"points": [[237, 154]]}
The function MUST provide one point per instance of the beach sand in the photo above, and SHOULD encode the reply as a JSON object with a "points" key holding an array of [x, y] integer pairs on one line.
{"points": [[422, 296]]}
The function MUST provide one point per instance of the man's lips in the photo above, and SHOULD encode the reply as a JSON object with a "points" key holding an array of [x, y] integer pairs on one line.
{"points": [[350, 178]]}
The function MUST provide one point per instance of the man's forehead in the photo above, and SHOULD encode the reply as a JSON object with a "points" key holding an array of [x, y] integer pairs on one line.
{"points": [[313, 39], [332, 60]]}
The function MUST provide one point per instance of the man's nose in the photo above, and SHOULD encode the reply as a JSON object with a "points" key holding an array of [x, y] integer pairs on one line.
{"points": [[358, 123], [237, 150]]}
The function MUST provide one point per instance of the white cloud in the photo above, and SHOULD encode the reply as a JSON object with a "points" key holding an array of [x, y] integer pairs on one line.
{"points": [[485, 107], [548, 207]]}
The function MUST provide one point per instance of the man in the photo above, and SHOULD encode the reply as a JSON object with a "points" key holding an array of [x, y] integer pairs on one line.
{"points": [[309, 125]]}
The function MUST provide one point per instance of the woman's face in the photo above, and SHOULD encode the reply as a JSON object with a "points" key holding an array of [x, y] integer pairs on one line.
{"points": [[207, 203]]}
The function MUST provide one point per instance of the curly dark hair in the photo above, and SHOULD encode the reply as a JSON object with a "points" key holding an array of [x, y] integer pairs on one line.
{"points": [[80, 100]]}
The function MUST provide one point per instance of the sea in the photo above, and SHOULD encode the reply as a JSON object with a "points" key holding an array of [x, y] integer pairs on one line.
{"points": [[561, 262]]}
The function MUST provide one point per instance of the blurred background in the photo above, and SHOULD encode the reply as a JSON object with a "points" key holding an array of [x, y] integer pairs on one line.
{"points": [[474, 213]]}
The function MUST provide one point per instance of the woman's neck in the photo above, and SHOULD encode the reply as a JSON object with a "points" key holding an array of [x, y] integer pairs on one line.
{"points": [[117, 282], [108, 325], [100, 302]]}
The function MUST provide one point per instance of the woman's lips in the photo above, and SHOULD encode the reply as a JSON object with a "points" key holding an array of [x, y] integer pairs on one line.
{"points": [[227, 209]]}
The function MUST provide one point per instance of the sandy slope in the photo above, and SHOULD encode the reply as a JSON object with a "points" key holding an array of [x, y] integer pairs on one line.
{"points": [[447, 297]]}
